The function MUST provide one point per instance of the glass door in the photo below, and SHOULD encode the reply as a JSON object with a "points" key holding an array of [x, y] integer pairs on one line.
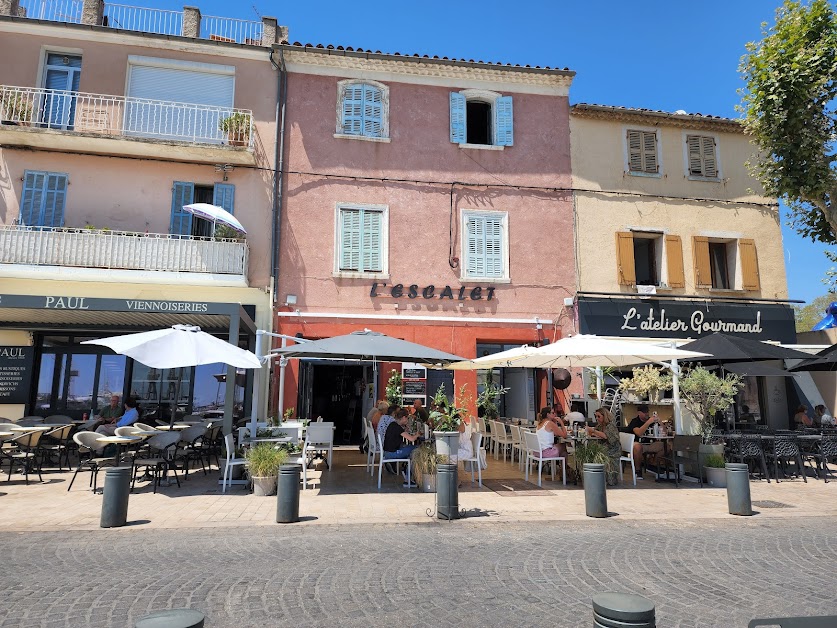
{"points": [[62, 74]]}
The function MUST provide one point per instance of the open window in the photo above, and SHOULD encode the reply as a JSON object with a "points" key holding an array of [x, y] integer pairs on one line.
{"points": [[649, 259], [480, 118], [725, 264]]}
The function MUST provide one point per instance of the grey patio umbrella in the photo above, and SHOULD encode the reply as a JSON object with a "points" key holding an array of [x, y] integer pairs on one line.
{"points": [[725, 348], [371, 346], [825, 360]]}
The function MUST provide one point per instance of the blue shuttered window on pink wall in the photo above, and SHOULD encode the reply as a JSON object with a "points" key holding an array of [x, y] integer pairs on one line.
{"points": [[183, 193], [362, 110], [502, 119], [44, 198]]}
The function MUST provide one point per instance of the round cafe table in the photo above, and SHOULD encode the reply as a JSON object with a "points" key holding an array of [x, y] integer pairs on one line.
{"points": [[120, 442], [5, 435], [34, 428], [176, 426]]}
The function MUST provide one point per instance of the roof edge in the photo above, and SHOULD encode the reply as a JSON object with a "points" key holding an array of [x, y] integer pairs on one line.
{"points": [[646, 116]]}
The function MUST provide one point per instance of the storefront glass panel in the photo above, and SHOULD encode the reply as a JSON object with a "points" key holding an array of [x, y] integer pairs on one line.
{"points": [[111, 378]]}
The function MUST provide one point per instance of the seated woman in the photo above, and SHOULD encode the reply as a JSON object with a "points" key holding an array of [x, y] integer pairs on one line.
{"points": [[801, 418], [606, 430], [548, 429]]}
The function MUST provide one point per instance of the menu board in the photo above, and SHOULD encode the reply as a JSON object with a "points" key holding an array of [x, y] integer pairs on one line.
{"points": [[414, 373], [15, 373], [412, 389]]}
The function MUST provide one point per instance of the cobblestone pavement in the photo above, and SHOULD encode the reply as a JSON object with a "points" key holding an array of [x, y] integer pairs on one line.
{"points": [[699, 573]]}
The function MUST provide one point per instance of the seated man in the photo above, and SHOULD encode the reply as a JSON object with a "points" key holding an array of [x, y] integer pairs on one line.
{"points": [[130, 417], [638, 426], [111, 413], [394, 438]]}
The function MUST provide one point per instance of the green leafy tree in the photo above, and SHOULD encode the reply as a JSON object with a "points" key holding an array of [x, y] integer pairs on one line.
{"points": [[809, 315], [704, 394], [789, 108]]}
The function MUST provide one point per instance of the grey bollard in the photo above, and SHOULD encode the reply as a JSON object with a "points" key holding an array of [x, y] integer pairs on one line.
{"points": [[172, 618], [447, 492], [623, 610], [738, 489], [115, 497], [595, 492], [287, 494]]}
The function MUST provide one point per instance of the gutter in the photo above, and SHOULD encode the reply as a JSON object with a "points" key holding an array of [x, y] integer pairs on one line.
{"points": [[278, 161]]}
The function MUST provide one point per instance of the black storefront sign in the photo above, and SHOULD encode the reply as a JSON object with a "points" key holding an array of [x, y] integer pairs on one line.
{"points": [[15, 373], [660, 318]]}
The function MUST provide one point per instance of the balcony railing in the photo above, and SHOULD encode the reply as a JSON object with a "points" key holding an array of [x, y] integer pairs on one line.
{"points": [[147, 20], [88, 248], [123, 116]]}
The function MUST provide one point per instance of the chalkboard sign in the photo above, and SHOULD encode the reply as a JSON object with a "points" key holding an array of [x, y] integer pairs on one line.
{"points": [[415, 388], [15, 373], [414, 373]]}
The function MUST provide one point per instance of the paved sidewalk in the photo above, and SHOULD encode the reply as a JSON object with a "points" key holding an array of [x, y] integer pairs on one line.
{"points": [[347, 494]]}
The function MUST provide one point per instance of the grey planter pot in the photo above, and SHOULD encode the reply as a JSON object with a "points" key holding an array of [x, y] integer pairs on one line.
{"points": [[264, 487], [716, 477], [428, 482], [447, 443], [708, 450]]}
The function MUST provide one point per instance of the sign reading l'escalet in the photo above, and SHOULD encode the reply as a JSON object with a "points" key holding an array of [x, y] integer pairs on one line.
{"points": [[414, 291], [685, 319]]}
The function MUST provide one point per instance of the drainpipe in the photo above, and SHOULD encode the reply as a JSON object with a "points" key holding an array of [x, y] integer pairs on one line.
{"points": [[278, 160]]}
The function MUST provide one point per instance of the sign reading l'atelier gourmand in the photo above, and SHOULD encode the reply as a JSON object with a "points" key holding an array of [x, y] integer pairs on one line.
{"points": [[414, 291]]}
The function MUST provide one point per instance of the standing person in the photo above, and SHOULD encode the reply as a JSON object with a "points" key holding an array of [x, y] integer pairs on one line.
{"points": [[606, 429], [548, 429], [394, 438], [801, 418], [638, 426], [109, 414], [825, 419]]}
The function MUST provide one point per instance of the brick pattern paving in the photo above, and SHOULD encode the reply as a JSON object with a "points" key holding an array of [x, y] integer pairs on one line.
{"points": [[702, 573]]}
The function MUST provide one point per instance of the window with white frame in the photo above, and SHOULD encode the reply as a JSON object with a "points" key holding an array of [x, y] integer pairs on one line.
{"points": [[703, 162], [485, 245], [44, 198], [363, 109], [481, 118], [362, 239], [642, 152]]}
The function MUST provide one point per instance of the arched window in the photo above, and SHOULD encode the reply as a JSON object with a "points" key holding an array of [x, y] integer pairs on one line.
{"points": [[363, 109]]}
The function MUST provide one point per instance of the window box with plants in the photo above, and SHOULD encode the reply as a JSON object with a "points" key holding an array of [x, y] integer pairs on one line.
{"points": [[263, 462], [647, 382], [237, 127]]}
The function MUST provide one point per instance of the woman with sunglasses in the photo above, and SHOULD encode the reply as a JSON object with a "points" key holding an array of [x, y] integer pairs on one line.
{"points": [[606, 430]]}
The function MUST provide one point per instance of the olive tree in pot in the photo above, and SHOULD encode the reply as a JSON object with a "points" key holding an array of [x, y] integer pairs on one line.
{"points": [[263, 462], [488, 398], [715, 471]]}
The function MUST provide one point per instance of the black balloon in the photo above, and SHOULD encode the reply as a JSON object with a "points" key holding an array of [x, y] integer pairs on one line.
{"points": [[561, 378]]}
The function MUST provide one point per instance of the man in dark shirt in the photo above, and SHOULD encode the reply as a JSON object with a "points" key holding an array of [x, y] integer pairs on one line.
{"points": [[638, 426], [394, 438], [421, 412]]}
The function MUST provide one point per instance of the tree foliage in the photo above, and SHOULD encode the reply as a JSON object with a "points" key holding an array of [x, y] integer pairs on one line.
{"points": [[790, 112], [809, 315], [704, 394]]}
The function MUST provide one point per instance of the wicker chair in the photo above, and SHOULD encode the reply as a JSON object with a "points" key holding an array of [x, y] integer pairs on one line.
{"points": [[164, 446], [25, 449], [87, 457]]}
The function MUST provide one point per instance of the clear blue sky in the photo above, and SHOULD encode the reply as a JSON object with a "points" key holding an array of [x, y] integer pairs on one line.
{"points": [[657, 54]]}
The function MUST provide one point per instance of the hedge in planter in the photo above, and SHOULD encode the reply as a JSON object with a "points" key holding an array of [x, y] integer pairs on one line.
{"points": [[263, 462]]}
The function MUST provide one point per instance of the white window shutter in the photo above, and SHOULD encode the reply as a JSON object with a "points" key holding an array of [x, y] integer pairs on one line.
{"points": [[353, 110], [371, 242], [350, 239], [457, 118], [710, 163], [503, 121], [372, 111], [493, 246]]}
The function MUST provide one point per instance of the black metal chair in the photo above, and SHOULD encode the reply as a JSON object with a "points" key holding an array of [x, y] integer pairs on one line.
{"points": [[163, 446], [57, 442], [190, 448], [25, 449], [750, 450], [823, 451], [781, 449]]}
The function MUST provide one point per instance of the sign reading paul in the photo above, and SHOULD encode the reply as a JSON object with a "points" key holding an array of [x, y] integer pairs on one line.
{"points": [[15, 373], [657, 318]]}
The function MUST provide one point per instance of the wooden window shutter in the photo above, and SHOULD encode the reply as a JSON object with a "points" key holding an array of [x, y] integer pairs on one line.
{"points": [[503, 122], [182, 193], [674, 262], [702, 160], [710, 163], [649, 150], [703, 269], [625, 266], [350, 239], [634, 151], [642, 151], [749, 264], [695, 161]]}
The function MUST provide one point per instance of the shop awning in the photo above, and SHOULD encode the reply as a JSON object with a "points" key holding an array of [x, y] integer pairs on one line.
{"points": [[756, 369]]}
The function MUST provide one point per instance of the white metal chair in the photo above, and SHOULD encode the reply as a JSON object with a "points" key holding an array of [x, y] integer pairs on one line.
{"points": [[319, 437], [382, 461], [518, 445], [486, 435], [500, 439], [626, 442], [534, 454], [231, 461], [476, 445], [373, 449]]}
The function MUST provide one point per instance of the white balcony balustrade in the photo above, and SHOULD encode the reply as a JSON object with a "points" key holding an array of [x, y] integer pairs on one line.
{"points": [[89, 248], [123, 116], [53, 10], [232, 30], [128, 18]]}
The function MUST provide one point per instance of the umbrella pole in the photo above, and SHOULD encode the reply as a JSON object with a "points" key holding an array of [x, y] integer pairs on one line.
{"points": [[176, 397]]}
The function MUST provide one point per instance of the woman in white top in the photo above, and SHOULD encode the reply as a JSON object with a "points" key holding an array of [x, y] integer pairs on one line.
{"points": [[547, 430], [466, 449], [825, 419]]}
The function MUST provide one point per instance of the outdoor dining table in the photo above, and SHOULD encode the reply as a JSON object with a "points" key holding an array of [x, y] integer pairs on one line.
{"points": [[120, 442], [176, 426], [33, 428], [666, 440], [5, 435]]}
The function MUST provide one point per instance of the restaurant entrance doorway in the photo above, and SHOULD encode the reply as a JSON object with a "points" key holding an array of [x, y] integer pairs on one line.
{"points": [[334, 392]]}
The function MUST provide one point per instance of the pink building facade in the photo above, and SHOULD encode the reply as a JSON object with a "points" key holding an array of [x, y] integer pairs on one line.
{"points": [[426, 199]]}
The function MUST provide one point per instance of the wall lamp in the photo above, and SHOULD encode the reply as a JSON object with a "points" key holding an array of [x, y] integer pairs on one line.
{"points": [[290, 299]]}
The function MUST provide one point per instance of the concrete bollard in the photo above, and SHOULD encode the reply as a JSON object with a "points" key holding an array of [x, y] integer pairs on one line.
{"points": [[595, 492], [287, 494], [623, 610], [115, 497], [172, 618], [738, 489], [447, 492]]}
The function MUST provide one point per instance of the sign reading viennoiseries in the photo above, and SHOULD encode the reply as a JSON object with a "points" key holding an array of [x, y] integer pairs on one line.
{"points": [[63, 302], [15, 373], [414, 291], [684, 319]]}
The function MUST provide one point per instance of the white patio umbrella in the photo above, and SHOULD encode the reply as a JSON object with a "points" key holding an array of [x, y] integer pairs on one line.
{"points": [[214, 214], [176, 347]]}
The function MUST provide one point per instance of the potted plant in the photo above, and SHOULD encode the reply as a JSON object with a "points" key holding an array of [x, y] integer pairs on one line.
{"points": [[16, 108], [589, 451], [715, 471], [237, 127], [487, 399], [395, 389], [263, 462], [647, 381], [424, 461], [446, 419], [225, 232]]}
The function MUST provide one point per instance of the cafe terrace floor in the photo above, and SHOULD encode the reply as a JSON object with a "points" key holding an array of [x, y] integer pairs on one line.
{"points": [[348, 495]]}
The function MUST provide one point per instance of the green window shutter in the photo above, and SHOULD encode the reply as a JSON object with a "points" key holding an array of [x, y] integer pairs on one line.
{"points": [[223, 195], [350, 239], [371, 242], [475, 246]]}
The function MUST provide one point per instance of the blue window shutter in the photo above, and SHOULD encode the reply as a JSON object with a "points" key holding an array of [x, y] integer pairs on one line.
{"points": [[475, 246], [493, 246], [352, 110], [350, 229], [224, 196], [371, 242], [55, 197], [182, 194], [503, 121], [32, 199], [457, 118]]}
